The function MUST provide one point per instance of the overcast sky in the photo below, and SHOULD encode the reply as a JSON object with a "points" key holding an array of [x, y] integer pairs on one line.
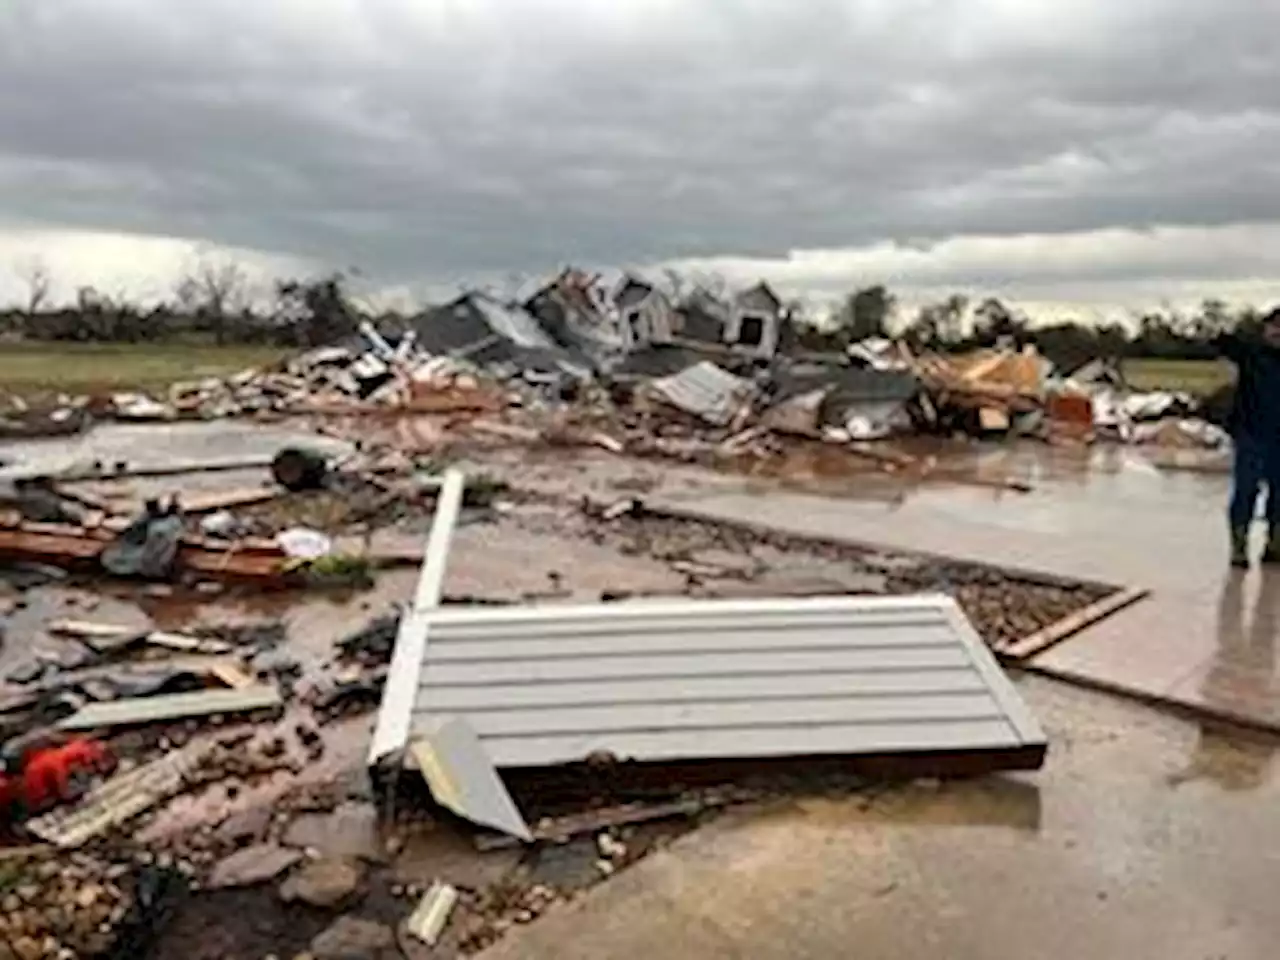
{"points": [[1089, 152]]}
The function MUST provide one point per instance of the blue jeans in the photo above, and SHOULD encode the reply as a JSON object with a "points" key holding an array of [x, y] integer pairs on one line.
{"points": [[1257, 465]]}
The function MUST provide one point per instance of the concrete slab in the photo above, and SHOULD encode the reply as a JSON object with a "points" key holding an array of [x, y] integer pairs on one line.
{"points": [[1139, 839], [1111, 517]]}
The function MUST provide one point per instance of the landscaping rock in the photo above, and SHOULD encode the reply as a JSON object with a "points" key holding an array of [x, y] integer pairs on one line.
{"points": [[331, 883], [351, 830], [256, 864], [247, 826]]}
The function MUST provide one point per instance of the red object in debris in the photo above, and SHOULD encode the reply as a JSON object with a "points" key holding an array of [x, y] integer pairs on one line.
{"points": [[1070, 417], [1072, 408], [45, 775]]}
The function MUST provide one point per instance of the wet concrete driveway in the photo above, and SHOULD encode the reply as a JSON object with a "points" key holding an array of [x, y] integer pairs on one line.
{"points": [[1205, 638], [1144, 836]]}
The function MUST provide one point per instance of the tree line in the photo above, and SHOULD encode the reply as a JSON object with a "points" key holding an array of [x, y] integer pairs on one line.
{"points": [[954, 324], [212, 303]]}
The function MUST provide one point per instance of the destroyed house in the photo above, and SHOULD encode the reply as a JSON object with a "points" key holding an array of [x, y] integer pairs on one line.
{"points": [[702, 318], [645, 315], [754, 323], [574, 311], [476, 323]]}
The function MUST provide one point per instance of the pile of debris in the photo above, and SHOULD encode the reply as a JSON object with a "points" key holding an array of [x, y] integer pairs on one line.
{"points": [[367, 373], [20, 418], [1008, 392], [612, 360]]}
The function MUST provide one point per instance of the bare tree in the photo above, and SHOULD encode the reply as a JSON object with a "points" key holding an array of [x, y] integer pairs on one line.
{"points": [[223, 284], [34, 272], [214, 289]]}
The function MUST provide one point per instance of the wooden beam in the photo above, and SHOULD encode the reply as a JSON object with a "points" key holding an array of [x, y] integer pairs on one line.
{"points": [[1071, 624]]}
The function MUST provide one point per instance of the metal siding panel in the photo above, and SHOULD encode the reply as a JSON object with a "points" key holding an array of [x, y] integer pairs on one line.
{"points": [[599, 669], [446, 649], [766, 742], [407, 656], [705, 390], [678, 689], [683, 613], [682, 679], [1002, 689], [742, 714], [640, 618], [462, 777]]}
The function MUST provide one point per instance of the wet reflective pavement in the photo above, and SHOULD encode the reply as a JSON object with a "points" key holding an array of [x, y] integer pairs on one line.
{"points": [[1144, 836], [1205, 639]]}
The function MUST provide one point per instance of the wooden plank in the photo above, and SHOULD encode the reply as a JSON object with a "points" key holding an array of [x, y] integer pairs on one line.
{"points": [[83, 497], [233, 675], [985, 366], [66, 545], [226, 499], [1071, 624]]}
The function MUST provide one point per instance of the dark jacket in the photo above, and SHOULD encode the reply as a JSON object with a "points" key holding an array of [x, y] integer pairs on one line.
{"points": [[1256, 412]]}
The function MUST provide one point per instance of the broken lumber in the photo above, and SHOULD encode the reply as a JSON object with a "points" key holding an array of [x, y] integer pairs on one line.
{"points": [[226, 499], [258, 561], [1071, 624]]}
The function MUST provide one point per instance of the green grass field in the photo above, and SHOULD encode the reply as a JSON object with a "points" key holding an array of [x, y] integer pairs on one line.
{"points": [[36, 369], [1200, 377]]}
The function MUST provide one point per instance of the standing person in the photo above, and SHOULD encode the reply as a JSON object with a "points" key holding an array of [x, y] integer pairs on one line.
{"points": [[1255, 426]]}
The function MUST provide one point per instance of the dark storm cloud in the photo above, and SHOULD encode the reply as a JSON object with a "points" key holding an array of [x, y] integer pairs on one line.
{"points": [[416, 139]]}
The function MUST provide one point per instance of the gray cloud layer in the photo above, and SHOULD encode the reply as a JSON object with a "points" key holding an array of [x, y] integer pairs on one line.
{"points": [[438, 138]]}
